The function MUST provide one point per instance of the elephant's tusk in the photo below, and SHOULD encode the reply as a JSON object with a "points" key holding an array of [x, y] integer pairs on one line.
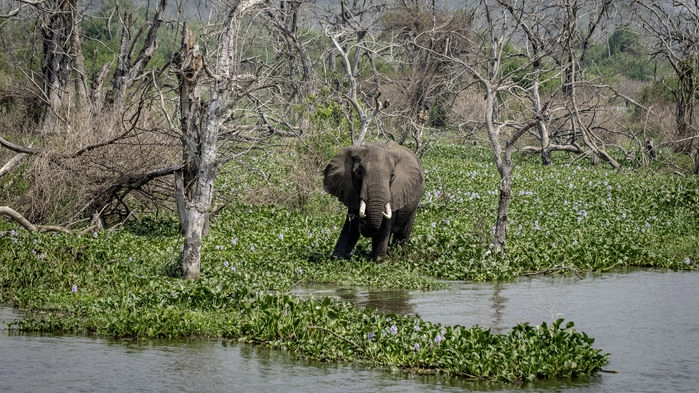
{"points": [[362, 209], [388, 213]]}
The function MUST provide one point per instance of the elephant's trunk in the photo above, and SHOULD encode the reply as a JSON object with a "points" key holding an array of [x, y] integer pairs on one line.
{"points": [[374, 210]]}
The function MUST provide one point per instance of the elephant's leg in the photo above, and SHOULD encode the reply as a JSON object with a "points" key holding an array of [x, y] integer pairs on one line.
{"points": [[403, 235], [379, 242], [348, 237]]}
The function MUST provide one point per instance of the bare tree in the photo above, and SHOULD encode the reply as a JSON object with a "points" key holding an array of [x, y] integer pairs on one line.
{"points": [[558, 35], [424, 84], [349, 30], [62, 59], [208, 95], [542, 38], [494, 43], [672, 28], [99, 169], [575, 44], [366, 114], [131, 66]]}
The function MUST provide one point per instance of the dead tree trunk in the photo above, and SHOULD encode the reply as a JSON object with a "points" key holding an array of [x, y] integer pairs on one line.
{"points": [[62, 55], [202, 116], [194, 183]]}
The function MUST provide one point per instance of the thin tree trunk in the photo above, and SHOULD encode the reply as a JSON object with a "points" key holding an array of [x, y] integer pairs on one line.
{"points": [[81, 85], [500, 234], [685, 106], [536, 102]]}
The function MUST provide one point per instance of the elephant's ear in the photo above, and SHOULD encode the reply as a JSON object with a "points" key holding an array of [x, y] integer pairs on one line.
{"points": [[337, 176], [408, 183]]}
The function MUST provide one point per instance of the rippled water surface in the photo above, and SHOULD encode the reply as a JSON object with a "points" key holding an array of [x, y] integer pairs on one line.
{"points": [[647, 321]]}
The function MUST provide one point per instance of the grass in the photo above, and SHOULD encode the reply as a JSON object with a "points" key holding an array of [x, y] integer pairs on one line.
{"points": [[567, 217]]}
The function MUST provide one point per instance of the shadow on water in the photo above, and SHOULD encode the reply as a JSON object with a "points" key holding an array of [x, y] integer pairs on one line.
{"points": [[646, 320], [404, 302]]}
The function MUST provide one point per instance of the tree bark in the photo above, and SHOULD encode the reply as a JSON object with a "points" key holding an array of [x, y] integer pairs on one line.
{"points": [[57, 30], [192, 195], [201, 121]]}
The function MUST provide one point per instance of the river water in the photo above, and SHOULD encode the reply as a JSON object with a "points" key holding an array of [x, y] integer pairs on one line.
{"points": [[647, 321]]}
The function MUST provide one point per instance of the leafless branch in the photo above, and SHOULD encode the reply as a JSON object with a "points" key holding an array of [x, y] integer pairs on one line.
{"points": [[15, 216]]}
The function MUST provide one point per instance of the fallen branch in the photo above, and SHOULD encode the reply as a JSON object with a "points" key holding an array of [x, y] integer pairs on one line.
{"points": [[15, 216], [556, 269], [552, 147], [17, 148], [12, 164], [334, 334]]}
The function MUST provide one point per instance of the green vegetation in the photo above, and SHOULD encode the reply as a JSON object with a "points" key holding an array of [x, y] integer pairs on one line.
{"points": [[567, 217], [622, 54]]}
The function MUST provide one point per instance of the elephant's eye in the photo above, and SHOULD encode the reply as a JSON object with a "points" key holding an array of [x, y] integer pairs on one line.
{"points": [[393, 176]]}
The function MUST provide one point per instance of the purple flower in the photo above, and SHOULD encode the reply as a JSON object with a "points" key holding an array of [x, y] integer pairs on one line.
{"points": [[687, 261], [225, 263], [74, 288], [252, 247], [536, 225], [370, 336], [394, 329], [94, 234], [417, 328], [234, 241], [438, 339], [416, 346], [281, 236]]}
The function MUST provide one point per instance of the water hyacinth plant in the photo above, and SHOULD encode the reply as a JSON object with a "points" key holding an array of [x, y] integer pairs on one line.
{"points": [[147, 304], [124, 283]]}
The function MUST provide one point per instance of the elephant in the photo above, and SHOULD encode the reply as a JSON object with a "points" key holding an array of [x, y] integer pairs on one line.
{"points": [[381, 184]]}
